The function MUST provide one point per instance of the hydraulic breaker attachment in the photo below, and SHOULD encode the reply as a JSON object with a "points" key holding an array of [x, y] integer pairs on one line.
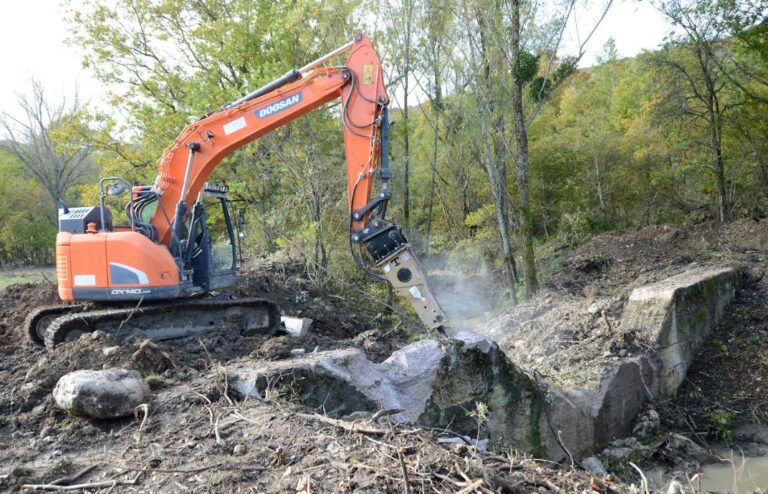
{"points": [[392, 254], [404, 272]]}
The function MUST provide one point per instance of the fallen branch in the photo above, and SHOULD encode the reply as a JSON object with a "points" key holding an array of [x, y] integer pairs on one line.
{"points": [[78, 487], [75, 476], [472, 487], [161, 470], [344, 424], [406, 481], [386, 413]]}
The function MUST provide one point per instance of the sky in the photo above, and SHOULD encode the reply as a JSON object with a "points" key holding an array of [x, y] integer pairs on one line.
{"points": [[33, 34]]}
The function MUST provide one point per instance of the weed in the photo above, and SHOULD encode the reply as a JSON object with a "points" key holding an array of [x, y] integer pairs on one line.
{"points": [[721, 422], [154, 381], [720, 346], [480, 415]]}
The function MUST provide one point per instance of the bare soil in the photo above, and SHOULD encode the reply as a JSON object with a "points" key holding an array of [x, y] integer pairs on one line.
{"points": [[199, 437], [196, 435], [569, 331]]}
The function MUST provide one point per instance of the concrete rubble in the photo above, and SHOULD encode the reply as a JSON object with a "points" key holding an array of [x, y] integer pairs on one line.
{"points": [[296, 327], [444, 384], [101, 394]]}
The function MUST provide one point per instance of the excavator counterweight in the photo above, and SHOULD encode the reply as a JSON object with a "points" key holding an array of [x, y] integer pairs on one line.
{"points": [[169, 251]]}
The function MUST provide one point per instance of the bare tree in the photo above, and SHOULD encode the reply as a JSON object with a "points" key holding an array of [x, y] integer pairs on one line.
{"points": [[38, 140]]}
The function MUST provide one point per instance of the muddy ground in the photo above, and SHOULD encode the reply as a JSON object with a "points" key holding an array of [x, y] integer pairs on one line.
{"points": [[199, 437]]}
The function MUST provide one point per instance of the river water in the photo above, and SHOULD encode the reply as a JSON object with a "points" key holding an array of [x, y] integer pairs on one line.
{"points": [[745, 469], [740, 475]]}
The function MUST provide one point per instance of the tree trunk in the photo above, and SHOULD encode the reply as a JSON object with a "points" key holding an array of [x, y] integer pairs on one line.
{"points": [[599, 186], [521, 135], [432, 184], [717, 150], [406, 143]]}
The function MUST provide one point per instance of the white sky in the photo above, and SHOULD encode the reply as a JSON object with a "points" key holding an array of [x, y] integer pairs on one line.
{"points": [[33, 34]]}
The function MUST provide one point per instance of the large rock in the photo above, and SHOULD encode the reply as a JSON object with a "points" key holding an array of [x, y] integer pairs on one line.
{"points": [[101, 394], [677, 314], [435, 383]]}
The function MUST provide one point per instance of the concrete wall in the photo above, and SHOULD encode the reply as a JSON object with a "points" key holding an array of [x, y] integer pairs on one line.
{"points": [[439, 383], [677, 314]]}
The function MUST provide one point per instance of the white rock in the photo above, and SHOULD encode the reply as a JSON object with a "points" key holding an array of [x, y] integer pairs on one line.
{"points": [[110, 350], [594, 466], [297, 326], [239, 450], [101, 394]]}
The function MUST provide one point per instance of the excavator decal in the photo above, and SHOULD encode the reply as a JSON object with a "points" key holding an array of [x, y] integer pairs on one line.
{"points": [[278, 106]]}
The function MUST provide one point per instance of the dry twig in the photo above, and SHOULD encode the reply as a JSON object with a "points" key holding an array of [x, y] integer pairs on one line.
{"points": [[343, 424], [75, 476]]}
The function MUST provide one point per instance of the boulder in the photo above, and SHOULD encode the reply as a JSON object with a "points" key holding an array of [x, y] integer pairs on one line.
{"points": [[465, 384], [101, 394]]}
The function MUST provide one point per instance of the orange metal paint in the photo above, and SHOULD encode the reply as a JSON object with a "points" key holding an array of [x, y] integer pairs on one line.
{"points": [[63, 278], [90, 254]]}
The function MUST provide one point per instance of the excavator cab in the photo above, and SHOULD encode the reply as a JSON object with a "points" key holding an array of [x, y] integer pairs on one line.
{"points": [[211, 245]]}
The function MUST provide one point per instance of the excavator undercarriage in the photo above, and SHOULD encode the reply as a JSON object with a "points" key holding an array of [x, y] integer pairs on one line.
{"points": [[157, 321]]}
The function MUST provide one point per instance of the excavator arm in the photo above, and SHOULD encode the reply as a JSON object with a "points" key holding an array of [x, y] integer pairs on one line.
{"points": [[359, 84]]}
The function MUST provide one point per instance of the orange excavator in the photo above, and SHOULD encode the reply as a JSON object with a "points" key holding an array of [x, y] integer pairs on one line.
{"points": [[155, 274]]}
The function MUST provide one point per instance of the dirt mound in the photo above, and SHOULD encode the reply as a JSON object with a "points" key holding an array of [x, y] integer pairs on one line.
{"points": [[15, 303]]}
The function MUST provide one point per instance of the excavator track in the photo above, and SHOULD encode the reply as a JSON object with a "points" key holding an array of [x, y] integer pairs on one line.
{"points": [[36, 323], [168, 321]]}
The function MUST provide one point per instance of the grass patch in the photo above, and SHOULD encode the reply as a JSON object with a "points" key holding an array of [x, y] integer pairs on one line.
{"points": [[26, 275]]}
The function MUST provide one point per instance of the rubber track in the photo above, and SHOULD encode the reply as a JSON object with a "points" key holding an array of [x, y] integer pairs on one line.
{"points": [[89, 321], [33, 317]]}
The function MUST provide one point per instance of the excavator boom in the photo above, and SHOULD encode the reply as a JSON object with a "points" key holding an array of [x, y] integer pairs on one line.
{"points": [[186, 165]]}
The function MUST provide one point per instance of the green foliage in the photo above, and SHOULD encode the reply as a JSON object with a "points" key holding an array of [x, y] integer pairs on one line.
{"points": [[721, 422], [26, 231], [526, 67], [155, 382]]}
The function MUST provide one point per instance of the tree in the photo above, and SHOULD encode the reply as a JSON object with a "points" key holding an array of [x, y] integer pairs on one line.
{"points": [[47, 140], [26, 231], [510, 41], [699, 61]]}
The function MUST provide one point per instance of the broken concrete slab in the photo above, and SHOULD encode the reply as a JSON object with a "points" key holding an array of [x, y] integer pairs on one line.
{"points": [[101, 394], [448, 383], [585, 420], [677, 314], [296, 327], [436, 383]]}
